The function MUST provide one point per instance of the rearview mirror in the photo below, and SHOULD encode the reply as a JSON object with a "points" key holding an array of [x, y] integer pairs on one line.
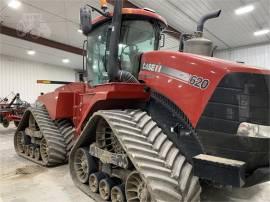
{"points": [[86, 20]]}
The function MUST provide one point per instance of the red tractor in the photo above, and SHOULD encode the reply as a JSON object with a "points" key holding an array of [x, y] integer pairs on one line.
{"points": [[13, 110], [150, 125]]}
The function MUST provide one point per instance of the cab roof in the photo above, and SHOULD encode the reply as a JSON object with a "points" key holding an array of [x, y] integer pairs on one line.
{"points": [[134, 12]]}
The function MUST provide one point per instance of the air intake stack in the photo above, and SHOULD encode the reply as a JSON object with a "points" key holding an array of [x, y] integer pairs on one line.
{"points": [[196, 43]]}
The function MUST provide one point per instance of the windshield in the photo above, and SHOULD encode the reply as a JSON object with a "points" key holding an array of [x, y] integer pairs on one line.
{"points": [[137, 36]]}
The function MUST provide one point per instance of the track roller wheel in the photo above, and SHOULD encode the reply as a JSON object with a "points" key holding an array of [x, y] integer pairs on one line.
{"points": [[5, 123], [84, 165], [94, 180], [118, 193], [105, 187], [136, 188], [44, 149], [37, 153], [27, 150], [20, 142], [32, 151], [24, 149]]}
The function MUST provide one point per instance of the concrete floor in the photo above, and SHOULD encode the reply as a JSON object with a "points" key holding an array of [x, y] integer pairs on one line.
{"points": [[23, 181]]}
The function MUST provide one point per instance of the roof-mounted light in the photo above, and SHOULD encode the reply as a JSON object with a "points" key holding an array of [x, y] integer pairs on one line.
{"points": [[244, 10], [261, 32], [15, 4], [150, 10]]}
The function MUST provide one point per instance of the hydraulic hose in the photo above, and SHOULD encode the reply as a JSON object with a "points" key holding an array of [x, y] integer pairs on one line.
{"points": [[125, 76]]}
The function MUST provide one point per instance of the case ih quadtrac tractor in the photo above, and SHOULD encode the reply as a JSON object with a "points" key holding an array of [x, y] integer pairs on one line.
{"points": [[151, 125]]}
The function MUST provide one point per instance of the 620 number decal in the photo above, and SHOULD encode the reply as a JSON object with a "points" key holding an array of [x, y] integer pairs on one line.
{"points": [[199, 82]]}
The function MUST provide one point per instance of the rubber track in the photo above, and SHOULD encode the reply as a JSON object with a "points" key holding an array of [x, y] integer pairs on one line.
{"points": [[67, 131], [57, 146], [167, 173]]}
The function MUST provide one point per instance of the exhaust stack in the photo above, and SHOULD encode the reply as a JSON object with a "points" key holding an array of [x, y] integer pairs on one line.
{"points": [[195, 43], [203, 20]]}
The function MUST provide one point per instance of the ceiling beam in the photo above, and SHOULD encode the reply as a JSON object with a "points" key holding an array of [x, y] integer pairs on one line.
{"points": [[39, 40]]}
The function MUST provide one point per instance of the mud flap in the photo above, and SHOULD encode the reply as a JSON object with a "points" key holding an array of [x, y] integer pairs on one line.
{"points": [[222, 171]]}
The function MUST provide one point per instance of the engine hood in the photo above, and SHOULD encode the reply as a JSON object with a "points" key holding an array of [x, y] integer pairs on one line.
{"points": [[179, 60], [189, 80]]}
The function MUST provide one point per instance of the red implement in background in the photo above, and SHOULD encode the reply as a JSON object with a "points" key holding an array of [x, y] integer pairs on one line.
{"points": [[13, 110]]}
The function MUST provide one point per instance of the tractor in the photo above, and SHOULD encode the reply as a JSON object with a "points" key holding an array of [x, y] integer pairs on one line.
{"points": [[151, 125]]}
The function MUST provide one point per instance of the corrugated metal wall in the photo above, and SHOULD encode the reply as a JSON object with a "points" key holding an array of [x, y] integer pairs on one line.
{"points": [[171, 43], [254, 55], [20, 76]]}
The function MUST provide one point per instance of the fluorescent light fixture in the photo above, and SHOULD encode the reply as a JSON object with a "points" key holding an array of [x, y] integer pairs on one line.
{"points": [[80, 31], [261, 32], [245, 9], [14, 4], [65, 60], [31, 52]]}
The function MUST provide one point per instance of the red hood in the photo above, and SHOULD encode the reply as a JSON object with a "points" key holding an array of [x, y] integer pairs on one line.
{"points": [[170, 74], [173, 59]]}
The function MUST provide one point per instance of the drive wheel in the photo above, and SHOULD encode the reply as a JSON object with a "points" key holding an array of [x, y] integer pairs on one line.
{"points": [[44, 151], [84, 165], [106, 139], [20, 142], [5, 123], [136, 188]]}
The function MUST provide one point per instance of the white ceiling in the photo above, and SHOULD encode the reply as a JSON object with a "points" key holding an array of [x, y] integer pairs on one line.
{"points": [[228, 31], [58, 20], [17, 48]]}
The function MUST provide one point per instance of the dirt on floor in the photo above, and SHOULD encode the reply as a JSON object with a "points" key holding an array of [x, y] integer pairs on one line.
{"points": [[24, 181]]}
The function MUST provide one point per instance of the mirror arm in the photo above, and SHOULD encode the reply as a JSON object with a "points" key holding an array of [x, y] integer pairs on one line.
{"points": [[105, 14]]}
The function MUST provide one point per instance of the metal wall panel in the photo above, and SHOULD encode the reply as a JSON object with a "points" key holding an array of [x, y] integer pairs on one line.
{"points": [[171, 43], [258, 56], [20, 76]]}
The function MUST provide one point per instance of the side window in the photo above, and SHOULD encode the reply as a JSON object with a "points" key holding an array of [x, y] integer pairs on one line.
{"points": [[137, 36], [96, 56]]}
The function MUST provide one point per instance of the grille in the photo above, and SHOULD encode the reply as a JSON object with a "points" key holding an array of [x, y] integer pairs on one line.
{"points": [[240, 97]]}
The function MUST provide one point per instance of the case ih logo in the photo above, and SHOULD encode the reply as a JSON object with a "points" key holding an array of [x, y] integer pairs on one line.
{"points": [[152, 67], [193, 80]]}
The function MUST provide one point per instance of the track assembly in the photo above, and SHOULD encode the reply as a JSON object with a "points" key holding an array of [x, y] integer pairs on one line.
{"points": [[41, 140], [158, 172]]}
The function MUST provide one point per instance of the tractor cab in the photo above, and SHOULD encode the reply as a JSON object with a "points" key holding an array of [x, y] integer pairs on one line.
{"points": [[116, 41]]}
